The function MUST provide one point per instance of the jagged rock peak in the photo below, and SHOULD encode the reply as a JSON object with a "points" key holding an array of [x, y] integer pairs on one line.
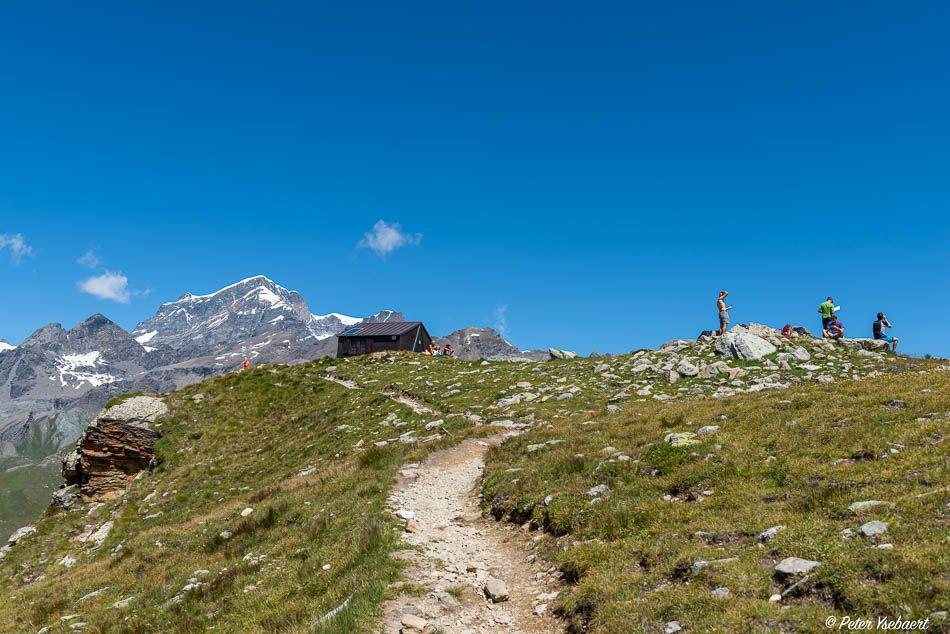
{"points": [[483, 343], [47, 334]]}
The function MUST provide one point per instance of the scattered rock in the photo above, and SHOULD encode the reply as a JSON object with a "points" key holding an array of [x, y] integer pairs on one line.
{"points": [[447, 600], [708, 429], [496, 590], [681, 439], [767, 535], [413, 623], [685, 368], [874, 528], [94, 593], [721, 593], [101, 534], [858, 507], [123, 603], [247, 512], [598, 491], [672, 627], [792, 566], [67, 497]]}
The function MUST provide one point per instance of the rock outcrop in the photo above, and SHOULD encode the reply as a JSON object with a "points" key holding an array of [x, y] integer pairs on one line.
{"points": [[743, 343], [116, 446]]}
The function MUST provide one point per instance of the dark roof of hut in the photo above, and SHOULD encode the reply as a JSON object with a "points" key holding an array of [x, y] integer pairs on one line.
{"points": [[380, 329]]}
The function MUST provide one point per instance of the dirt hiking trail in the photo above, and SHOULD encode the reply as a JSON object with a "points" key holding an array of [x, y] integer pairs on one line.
{"points": [[458, 553]]}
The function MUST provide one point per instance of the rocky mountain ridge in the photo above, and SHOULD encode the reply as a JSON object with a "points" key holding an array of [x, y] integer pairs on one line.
{"points": [[486, 343], [57, 379]]}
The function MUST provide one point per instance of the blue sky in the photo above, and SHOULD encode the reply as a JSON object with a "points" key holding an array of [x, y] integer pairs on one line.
{"points": [[585, 176]]}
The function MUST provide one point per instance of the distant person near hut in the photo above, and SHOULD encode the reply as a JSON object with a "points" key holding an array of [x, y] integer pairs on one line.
{"points": [[247, 364], [879, 325], [723, 312], [827, 311]]}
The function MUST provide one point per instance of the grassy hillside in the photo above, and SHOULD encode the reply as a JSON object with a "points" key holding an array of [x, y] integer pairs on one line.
{"points": [[314, 460], [24, 488], [296, 449], [796, 459]]}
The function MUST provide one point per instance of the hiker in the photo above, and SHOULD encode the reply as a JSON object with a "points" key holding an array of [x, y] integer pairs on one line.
{"points": [[835, 330], [827, 311], [447, 351], [247, 363], [723, 311], [433, 350], [879, 333]]}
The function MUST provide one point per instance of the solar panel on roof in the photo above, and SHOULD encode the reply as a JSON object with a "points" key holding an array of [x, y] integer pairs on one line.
{"points": [[351, 331]]}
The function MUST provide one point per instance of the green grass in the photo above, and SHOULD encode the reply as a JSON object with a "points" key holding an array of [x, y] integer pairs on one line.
{"points": [[22, 491], [243, 445], [316, 461], [797, 458]]}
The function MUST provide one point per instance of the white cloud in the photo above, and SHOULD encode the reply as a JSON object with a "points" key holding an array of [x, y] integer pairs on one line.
{"points": [[18, 247], [89, 260], [386, 238], [109, 285], [501, 320]]}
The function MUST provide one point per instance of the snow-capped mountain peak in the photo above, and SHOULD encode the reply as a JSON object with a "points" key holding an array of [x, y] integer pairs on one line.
{"points": [[252, 308], [242, 310], [6, 346]]}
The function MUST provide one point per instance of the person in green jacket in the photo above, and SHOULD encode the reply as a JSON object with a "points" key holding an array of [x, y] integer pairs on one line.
{"points": [[827, 311]]}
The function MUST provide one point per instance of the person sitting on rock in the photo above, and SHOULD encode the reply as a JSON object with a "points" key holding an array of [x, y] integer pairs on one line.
{"points": [[723, 312], [447, 351], [835, 330], [879, 333]]}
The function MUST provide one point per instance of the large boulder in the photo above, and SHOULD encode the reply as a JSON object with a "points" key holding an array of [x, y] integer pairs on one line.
{"points": [[874, 345], [115, 447], [741, 343], [555, 353]]}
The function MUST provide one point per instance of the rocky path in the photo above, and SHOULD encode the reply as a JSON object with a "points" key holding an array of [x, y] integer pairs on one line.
{"points": [[414, 404], [479, 575]]}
